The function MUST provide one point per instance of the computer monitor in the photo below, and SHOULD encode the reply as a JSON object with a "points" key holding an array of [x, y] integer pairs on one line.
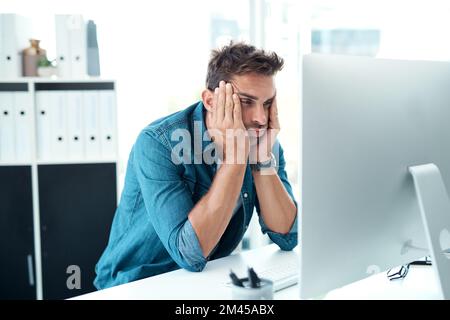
{"points": [[366, 124]]}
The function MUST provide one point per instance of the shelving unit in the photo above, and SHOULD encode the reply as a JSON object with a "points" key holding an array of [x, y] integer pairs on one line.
{"points": [[54, 211]]}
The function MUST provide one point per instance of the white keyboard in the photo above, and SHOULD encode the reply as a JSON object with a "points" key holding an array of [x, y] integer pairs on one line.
{"points": [[283, 273]]}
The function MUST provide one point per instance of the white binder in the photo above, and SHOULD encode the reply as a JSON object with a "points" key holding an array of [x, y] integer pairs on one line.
{"points": [[2, 67], [75, 124], [78, 48], [16, 32], [108, 122], [7, 135], [23, 126], [43, 115], [62, 37], [91, 124], [58, 125], [71, 46]]}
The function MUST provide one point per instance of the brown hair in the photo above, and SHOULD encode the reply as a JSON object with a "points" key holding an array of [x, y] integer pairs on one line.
{"points": [[240, 58]]}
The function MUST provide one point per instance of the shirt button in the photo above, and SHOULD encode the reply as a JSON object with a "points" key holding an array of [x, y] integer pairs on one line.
{"points": [[245, 195]]}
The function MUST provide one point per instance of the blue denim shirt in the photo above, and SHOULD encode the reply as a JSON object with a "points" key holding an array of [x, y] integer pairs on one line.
{"points": [[151, 232]]}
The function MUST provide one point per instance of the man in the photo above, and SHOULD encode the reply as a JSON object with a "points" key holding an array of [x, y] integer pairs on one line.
{"points": [[194, 177]]}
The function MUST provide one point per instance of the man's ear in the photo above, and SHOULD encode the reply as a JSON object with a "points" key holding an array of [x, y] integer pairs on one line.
{"points": [[207, 98]]}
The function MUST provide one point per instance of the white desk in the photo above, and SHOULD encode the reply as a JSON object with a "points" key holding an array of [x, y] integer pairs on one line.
{"points": [[420, 283]]}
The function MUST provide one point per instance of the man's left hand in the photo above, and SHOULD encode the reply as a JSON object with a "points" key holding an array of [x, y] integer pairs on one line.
{"points": [[261, 151]]}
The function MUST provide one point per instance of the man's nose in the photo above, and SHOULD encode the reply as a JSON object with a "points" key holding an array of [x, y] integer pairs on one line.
{"points": [[259, 115]]}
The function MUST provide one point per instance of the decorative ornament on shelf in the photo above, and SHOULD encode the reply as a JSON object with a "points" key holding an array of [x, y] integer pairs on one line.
{"points": [[46, 68], [31, 57]]}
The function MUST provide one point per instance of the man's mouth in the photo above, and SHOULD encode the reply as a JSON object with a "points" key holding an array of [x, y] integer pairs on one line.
{"points": [[257, 132]]}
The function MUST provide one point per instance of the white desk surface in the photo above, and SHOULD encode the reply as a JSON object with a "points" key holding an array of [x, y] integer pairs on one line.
{"points": [[420, 283]]}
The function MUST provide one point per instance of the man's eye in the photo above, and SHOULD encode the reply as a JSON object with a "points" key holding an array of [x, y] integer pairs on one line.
{"points": [[267, 104], [246, 102]]}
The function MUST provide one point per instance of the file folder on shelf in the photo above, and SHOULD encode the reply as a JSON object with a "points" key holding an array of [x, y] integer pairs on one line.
{"points": [[75, 124], [58, 125], [7, 130], [71, 46], [2, 66], [43, 115], [78, 48], [93, 58], [23, 114], [15, 32], [107, 124], [62, 37], [91, 124]]}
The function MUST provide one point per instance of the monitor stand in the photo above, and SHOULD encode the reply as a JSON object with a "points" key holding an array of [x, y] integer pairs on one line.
{"points": [[434, 207]]}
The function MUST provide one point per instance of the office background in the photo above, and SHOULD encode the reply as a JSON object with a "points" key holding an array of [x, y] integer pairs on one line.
{"points": [[157, 52]]}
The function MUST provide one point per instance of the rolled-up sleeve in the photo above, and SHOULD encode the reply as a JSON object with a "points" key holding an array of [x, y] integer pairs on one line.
{"points": [[289, 240], [168, 201]]}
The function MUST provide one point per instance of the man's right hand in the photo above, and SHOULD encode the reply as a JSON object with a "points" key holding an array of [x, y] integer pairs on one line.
{"points": [[212, 214], [227, 129]]}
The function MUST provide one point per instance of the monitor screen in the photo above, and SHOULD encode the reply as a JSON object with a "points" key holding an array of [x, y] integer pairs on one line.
{"points": [[365, 122]]}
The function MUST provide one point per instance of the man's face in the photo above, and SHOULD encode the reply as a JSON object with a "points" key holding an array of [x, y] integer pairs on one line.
{"points": [[256, 93]]}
